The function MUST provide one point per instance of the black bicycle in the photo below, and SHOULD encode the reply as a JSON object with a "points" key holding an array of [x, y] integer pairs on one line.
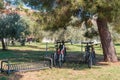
{"points": [[59, 56], [89, 56]]}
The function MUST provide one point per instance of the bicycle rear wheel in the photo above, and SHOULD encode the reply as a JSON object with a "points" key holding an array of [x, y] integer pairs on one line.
{"points": [[60, 62], [54, 59], [90, 61], [93, 58]]}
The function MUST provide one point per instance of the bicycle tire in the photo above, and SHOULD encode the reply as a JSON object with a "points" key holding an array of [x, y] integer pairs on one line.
{"points": [[93, 58], [60, 64], [60, 61], [89, 61], [54, 59], [85, 57]]}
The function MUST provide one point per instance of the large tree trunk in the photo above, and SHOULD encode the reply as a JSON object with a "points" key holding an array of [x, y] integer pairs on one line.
{"points": [[4, 46], [106, 41]]}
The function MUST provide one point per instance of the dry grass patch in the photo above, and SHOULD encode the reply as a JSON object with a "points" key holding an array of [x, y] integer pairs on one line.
{"points": [[99, 72]]}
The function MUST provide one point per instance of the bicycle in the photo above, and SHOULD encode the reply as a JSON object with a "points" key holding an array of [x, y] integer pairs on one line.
{"points": [[89, 56], [59, 56]]}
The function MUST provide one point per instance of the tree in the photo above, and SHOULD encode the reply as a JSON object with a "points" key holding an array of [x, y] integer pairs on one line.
{"points": [[12, 26], [105, 11], [62, 10]]}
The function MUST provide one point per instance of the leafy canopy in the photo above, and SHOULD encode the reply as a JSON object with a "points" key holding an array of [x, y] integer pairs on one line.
{"points": [[12, 26], [57, 13]]}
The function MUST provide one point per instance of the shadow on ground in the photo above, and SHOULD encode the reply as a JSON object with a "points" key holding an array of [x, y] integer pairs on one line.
{"points": [[15, 76], [74, 60]]}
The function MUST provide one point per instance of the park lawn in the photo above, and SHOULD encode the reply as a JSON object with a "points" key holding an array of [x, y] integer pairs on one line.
{"points": [[103, 71], [70, 71]]}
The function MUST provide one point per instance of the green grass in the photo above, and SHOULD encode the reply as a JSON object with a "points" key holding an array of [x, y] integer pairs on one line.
{"points": [[3, 78], [70, 71], [96, 73]]}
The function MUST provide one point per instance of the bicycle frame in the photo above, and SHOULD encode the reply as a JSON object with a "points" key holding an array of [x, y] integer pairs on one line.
{"points": [[89, 53], [60, 54]]}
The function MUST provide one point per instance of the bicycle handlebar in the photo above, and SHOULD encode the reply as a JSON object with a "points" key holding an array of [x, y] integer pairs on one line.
{"points": [[87, 42], [58, 41]]}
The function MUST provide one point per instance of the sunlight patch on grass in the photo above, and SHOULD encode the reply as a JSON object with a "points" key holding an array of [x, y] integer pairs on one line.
{"points": [[109, 72]]}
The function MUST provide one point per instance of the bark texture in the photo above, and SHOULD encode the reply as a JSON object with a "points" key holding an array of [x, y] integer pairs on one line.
{"points": [[4, 46], [109, 51]]}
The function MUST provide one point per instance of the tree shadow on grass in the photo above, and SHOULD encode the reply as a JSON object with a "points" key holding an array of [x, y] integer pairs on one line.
{"points": [[15, 76], [117, 44], [74, 61], [77, 64], [30, 55]]}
